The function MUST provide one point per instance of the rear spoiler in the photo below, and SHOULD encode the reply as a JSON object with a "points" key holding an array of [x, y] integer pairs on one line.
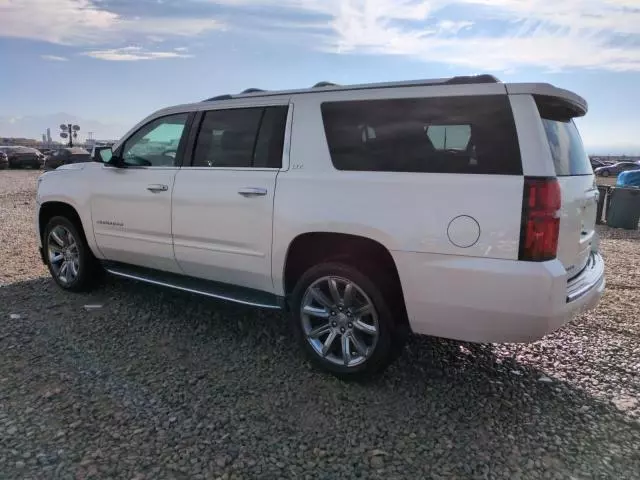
{"points": [[562, 103]]}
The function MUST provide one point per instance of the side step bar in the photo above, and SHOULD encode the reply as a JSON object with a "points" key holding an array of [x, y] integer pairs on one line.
{"points": [[207, 288]]}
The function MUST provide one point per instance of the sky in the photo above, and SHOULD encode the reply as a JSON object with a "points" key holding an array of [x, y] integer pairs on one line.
{"points": [[106, 64]]}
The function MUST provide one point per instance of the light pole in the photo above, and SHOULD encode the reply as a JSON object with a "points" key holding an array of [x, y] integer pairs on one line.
{"points": [[69, 130]]}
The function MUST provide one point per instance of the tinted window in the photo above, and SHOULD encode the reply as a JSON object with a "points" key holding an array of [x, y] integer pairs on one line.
{"points": [[444, 135], [227, 137], [270, 142], [156, 144], [567, 151], [242, 137]]}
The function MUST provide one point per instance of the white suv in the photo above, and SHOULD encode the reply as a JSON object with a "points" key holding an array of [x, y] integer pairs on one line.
{"points": [[462, 208]]}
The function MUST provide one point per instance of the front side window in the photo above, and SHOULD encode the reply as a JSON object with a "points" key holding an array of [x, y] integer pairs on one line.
{"points": [[241, 138], [156, 144], [466, 134]]}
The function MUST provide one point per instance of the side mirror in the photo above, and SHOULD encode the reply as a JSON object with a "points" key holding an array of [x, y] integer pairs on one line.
{"points": [[108, 158], [103, 155]]}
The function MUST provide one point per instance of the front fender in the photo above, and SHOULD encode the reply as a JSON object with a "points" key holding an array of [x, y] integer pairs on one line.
{"points": [[72, 188]]}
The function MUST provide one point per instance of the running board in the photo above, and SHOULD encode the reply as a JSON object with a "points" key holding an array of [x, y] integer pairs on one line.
{"points": [[207, 288]]}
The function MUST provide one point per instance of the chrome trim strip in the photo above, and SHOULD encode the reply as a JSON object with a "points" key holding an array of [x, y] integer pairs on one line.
{"points": [[590, 277], [191, 290]]}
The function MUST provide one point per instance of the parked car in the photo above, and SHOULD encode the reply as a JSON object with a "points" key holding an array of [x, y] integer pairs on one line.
{"points": [[462, 208], [4, 160], [21, 157], [66, 156], [630, 178], [616, 168]]}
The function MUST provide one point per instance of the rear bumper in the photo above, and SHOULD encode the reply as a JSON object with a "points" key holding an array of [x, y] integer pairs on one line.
{"points": [[590, 278], [490, 300]]}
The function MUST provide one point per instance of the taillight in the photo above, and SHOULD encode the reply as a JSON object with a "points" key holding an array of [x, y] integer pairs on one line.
{"points": [[540, 219]]}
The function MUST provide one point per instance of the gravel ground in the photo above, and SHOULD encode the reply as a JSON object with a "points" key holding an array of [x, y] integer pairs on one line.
{"points": [[158, 384]]}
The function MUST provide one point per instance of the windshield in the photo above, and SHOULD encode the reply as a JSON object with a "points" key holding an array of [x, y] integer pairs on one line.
{"points": [[568, 153]]}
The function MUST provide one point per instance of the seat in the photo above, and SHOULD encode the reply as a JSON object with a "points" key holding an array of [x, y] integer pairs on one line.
{"points": [[236, 149]]}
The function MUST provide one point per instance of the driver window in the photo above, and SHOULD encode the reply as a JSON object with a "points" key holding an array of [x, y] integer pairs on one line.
{"points": [[156, 144]]}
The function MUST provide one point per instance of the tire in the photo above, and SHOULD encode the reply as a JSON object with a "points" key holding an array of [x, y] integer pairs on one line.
{"points": [[314, 333], [605, 173], [71, 244]]}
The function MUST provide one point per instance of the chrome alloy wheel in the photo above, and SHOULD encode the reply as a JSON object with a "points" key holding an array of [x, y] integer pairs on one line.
{"points": [[64, 256], [339, 320]]}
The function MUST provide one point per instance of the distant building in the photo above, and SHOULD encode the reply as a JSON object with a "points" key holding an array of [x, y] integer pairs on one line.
{"points": [[25, 142], [49, 135]]}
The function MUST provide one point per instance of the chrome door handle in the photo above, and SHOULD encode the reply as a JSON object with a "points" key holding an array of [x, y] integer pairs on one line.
{"points": [[252, 192], [156, 187]]}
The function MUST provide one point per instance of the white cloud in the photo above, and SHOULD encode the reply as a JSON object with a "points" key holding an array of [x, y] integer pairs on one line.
{"points": [[548, 34], [450, 26], [85, 22], [133, 54], [481, 35], [54, 58]]}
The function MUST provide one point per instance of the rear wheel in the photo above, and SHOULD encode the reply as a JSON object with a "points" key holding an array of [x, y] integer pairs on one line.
{"points": [[343, 321], [70, 261], [605, 173]]}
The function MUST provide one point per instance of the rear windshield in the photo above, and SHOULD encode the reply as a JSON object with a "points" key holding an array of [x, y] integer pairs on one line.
{"points": [[466, 134], [567, 151]]}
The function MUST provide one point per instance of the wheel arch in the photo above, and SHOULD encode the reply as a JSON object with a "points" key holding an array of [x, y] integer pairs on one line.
{"points": [[53, 208], [310, 248]]}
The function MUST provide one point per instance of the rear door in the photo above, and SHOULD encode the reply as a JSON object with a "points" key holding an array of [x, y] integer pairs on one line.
{"points": [[579, 193], [222, 203]]}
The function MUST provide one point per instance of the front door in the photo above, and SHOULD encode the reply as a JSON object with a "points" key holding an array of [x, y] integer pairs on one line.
{"points": [[131, 206], [223, 201]]}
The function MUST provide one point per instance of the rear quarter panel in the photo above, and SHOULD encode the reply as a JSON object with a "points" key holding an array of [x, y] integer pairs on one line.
{"points": [[408, 212]]}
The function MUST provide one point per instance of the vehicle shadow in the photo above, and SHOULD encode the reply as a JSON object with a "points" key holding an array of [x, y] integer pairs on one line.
{"points": [[444, 409]]}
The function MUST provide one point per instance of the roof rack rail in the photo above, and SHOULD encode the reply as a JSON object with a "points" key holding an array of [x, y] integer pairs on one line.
{"points": [[252, 90], [469, 79], [219, 97], [325, 84], [459, 80]]}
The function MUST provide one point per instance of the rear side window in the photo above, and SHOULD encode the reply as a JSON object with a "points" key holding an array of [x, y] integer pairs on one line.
{"points": [[569, 156], [241, 138], [442, 135], [270, 141]]}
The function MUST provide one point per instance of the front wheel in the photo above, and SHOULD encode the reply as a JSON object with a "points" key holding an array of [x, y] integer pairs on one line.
{"points": [[343, 321], [605, 173], [70, 261]]}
